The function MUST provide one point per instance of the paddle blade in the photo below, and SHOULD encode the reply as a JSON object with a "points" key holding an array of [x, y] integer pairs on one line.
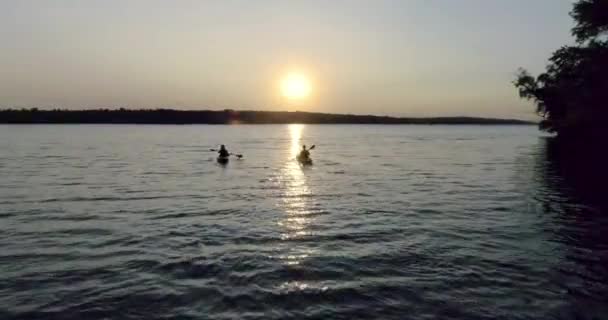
{"points": [[313, 146]]}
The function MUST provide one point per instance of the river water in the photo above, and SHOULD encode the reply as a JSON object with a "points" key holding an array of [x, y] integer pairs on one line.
{"points": [[390, 222]]}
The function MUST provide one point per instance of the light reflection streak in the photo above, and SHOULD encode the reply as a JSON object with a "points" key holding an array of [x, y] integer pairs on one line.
{"points": [[301, 286], [296, 203]]}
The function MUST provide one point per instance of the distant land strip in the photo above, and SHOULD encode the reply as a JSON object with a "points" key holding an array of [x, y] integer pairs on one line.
{"points": [[172, 116]]}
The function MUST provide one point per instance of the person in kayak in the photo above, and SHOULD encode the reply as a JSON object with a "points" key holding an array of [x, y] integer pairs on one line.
{"points": [[223, 152], [304, 154]]}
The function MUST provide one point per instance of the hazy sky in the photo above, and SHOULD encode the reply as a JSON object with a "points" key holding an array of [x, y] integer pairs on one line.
{"points": [[402, 57]]}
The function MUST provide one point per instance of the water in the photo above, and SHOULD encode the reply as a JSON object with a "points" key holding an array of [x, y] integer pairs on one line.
{"points": [[391, 222]]}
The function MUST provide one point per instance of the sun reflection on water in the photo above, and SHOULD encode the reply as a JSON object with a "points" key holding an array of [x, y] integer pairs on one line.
{"points": [[295, 132], [296, 201]]}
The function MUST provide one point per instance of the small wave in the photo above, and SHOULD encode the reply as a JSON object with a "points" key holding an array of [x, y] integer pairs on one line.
{"points": [[72, 217], [190, 269], [114, 198]]}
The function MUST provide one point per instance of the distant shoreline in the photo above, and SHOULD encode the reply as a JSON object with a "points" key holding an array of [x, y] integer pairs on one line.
{"points": [[186, 117]]}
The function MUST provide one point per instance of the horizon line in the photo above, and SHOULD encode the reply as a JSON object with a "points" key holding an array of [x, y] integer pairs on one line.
{"points": [[49, 109]]}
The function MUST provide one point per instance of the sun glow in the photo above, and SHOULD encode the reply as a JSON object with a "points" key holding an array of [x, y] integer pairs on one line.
{"points": [[296, 86]]}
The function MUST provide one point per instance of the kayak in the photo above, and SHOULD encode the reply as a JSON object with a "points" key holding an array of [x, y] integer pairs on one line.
{"points": [[304, 161], [223, 160]]}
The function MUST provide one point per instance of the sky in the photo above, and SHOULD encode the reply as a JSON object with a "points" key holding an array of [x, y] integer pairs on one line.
{"points": [[384, 57]]}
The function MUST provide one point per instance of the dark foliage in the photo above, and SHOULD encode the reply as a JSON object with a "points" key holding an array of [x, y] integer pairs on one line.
{"points": [[591, 18], [572, 94]]}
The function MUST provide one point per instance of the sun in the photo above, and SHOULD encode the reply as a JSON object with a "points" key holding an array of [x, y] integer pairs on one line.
{"points": [[296, 86]]}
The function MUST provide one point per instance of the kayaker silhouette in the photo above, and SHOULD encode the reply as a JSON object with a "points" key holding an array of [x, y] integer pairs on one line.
{"points": [[223, 152], [304, 154], [224, 155]]}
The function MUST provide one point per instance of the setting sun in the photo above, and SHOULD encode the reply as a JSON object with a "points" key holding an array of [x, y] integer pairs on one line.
{"points": [[295, 86]]}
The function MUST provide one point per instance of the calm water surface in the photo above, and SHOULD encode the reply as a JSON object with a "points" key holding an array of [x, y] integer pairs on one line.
{"points": [[391, 222]]}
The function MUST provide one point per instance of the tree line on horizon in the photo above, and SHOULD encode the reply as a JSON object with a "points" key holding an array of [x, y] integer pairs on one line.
{"points": [[572, 94], [228, 116]]}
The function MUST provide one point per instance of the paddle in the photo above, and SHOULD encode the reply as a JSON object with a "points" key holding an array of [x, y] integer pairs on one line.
{"points": [[232, 154]]}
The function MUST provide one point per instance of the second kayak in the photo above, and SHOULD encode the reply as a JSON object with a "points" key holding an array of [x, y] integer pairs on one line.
{"points": [[304, 160]]}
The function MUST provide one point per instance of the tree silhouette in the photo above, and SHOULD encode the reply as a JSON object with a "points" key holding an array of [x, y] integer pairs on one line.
{"points": [[572, 94], [591, 18]]}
